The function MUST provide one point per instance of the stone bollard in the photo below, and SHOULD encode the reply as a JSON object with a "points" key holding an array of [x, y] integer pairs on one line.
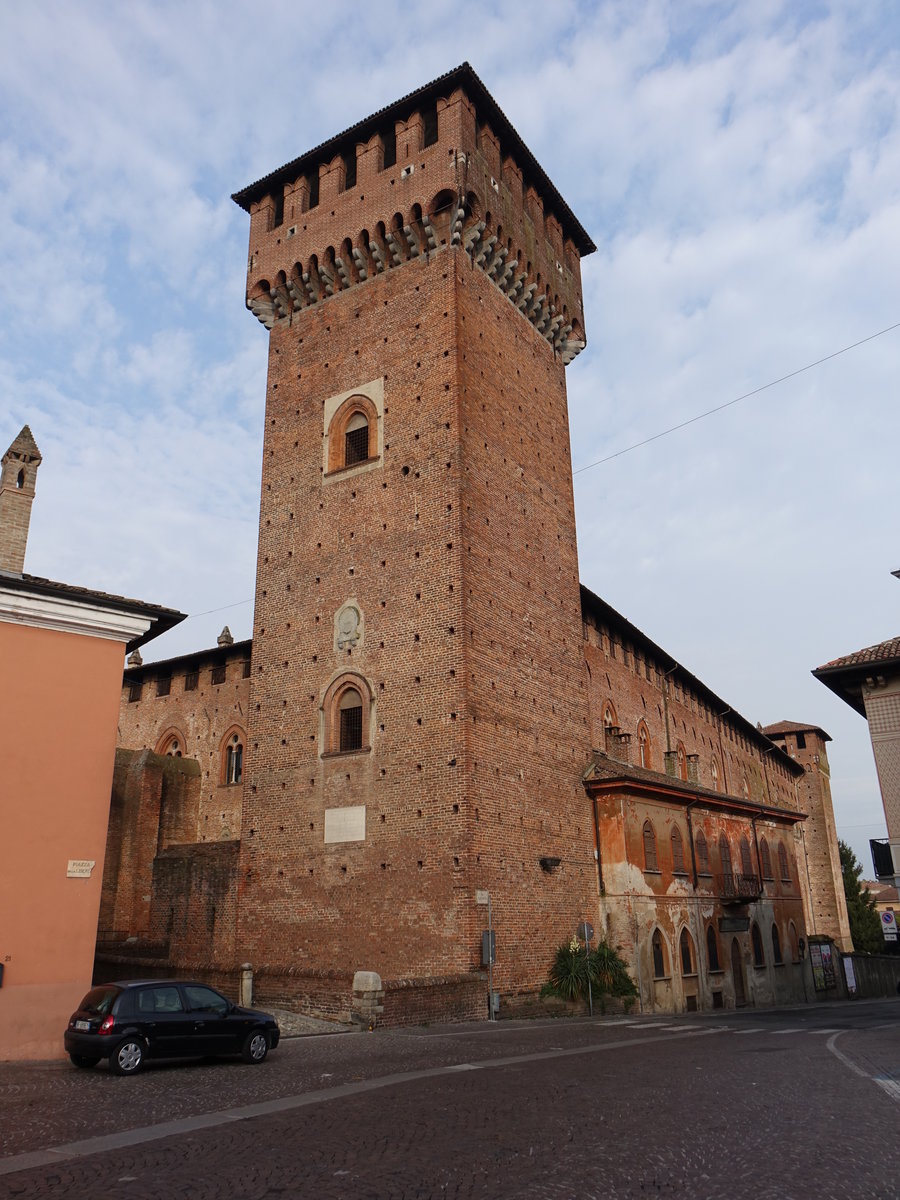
{"points": [[368, 1000], [245, 996]]}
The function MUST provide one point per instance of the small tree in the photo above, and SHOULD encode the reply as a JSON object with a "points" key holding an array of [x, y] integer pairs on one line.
{"points": [[865, 926]]}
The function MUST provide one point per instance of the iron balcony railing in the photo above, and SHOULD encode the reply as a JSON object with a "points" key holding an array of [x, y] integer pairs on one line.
{"points": [[736, 889]]}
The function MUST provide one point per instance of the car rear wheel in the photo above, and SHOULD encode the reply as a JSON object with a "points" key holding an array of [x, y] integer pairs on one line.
{"points": [[255, 1048], [128, 1057], [85, 1060]]}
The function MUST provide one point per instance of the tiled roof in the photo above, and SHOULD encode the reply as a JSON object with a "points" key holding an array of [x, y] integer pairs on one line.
{"points": [[163, 618], [781, 727], [884, 652], [883, 893]]}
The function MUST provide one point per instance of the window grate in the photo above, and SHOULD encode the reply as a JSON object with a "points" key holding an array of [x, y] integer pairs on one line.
{"points": [[351, 728], [134, 692], [191, 680], [218, 674], [164, 686], [356, 445]]}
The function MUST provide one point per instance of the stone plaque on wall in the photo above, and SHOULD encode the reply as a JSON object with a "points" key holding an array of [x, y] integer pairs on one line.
{"points": [[345, 824]]}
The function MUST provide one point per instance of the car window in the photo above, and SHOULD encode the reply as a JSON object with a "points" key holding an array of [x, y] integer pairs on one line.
{"points": [[204, 999], [100, 1000], [160, 999]]}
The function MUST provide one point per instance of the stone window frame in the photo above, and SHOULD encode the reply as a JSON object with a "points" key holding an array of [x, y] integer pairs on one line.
{"points": [[226, 744], [339, 412], [330, 713]]}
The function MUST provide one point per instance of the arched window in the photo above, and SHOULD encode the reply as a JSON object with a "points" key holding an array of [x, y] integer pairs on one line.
{"points": [[651, 863], [350, 709], [644, 747], [766, 856], [659, 955], [677, 852], [759, 957], [702, 850], [712, 949], [234, 759], [686, 951], [346, 710], [724, 854], [171, 744], [783, 864], [794, 942], [714, 769], [352, 434], [776, 944], [681, 760], [746, 857]]}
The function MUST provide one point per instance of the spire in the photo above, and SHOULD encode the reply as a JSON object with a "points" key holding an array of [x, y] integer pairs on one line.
{"points": [[18, 473], [225, 638]]}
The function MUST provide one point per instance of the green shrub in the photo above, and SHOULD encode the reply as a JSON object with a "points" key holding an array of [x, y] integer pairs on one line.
{"points": [[573, 967]]}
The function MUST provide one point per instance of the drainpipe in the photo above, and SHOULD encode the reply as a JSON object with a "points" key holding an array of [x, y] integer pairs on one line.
{"points": [[597, 841]]}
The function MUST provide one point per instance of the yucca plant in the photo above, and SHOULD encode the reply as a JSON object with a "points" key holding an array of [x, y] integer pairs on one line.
{"points": [[573, 967]]}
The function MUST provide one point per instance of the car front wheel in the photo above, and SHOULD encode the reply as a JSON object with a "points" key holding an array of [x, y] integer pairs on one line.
{"points": [[255, 1048], [85, 1060], [128, 1057]]}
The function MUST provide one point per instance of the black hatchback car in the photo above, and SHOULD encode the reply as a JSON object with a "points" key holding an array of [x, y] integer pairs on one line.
{"points": [[135, 1020]]}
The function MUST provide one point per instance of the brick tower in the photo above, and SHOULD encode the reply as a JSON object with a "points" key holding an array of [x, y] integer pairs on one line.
{"points": [[18, 473], [824, 884], [418, 719]]}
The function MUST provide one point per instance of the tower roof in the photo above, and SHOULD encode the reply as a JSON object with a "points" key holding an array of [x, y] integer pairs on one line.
{"points": [[24, 446], [488, 109], [782, 727]]}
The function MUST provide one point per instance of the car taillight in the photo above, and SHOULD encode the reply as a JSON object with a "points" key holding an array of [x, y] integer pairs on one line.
{"points": [[107, 1026]]}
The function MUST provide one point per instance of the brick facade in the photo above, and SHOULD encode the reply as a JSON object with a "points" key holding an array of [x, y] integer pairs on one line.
{"points": [[429, 684]]}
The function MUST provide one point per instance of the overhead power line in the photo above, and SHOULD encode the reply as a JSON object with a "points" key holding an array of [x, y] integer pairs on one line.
{"points": [[728, 403]]}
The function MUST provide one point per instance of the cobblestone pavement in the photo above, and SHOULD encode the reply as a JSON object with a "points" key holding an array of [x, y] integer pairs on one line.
{"points": [[777, 1105]]}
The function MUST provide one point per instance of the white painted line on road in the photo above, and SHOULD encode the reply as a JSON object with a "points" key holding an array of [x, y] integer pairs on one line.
{"points": [[755, 1029], [777, 1032], [886, 1082], [891, 1086], [825, 1031], [153, 1133]]}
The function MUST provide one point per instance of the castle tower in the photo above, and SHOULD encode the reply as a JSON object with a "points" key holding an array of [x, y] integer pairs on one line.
{"points": [[826, 902], [18, 473], [418, 728]]}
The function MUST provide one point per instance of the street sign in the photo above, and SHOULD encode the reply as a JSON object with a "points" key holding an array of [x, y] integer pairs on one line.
{"points": [[889, 926]]}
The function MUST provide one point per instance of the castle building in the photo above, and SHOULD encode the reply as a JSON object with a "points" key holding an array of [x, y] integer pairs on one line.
{"points": [[435, 720]]}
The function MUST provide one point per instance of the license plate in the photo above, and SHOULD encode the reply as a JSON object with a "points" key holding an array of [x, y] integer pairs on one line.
{"points": [[85, 1025]]}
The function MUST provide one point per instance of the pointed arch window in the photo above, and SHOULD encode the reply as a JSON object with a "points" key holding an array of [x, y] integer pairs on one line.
{"points": [[794, 942], [783, 864], [746, 857], [715, 775], [702, 850], [776, 945], [759, 956], [234, 759], [712, 949], [681, 761], [765, 855], [686, 952], [651, 862], [659, 955], [644, 747], [725, 854], [678, 866], [352, 435]]}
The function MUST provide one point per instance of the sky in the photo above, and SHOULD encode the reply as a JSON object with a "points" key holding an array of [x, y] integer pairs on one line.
{"points": [[737, 165]]}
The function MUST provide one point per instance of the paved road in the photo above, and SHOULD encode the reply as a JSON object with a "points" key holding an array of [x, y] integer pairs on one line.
{"points": [[796, 1103]]}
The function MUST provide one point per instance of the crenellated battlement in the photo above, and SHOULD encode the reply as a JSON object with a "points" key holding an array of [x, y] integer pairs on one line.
{"points": [[442, 168]]}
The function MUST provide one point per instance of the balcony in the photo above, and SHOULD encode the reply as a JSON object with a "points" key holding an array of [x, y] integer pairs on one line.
{"points": [[738, 889]]}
